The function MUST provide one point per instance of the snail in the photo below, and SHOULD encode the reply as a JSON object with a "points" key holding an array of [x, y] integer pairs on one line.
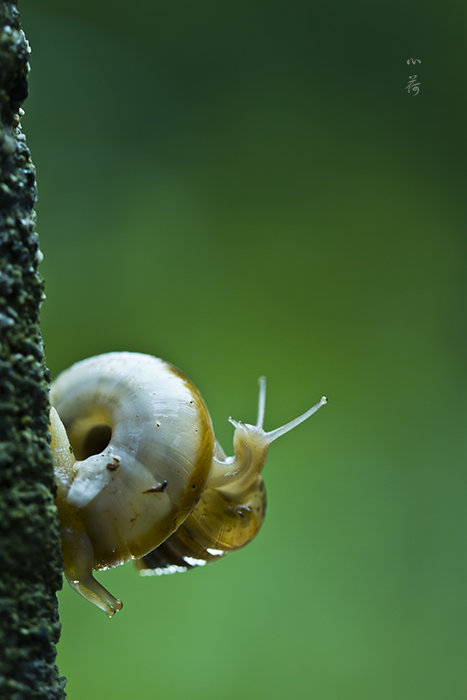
{"points": [[140, 474]]}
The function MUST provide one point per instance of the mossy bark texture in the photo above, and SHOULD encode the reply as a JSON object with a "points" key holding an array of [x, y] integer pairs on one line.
{"points": [[30, 553]]}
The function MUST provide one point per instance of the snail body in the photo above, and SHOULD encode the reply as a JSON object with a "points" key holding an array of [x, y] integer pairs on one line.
{"points": [[141, 476]]}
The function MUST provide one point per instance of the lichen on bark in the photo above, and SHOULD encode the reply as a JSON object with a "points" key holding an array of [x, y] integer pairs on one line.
{"points": [[30, 553]]}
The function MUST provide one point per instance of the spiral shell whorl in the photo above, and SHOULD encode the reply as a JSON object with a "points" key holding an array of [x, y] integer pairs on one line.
{"points": [[142, 432]]}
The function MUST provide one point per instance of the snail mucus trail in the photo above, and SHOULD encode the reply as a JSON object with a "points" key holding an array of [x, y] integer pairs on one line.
{"points": [[140, 474]]}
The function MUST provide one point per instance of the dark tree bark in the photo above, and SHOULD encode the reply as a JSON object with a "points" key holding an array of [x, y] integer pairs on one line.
{"points": [[30, 552]]}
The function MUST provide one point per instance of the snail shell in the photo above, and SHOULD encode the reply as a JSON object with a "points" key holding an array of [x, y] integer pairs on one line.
{"points": [[141, 476]]}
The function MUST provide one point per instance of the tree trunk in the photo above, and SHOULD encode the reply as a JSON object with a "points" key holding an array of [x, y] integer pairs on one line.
{"points": [[30, 552]]}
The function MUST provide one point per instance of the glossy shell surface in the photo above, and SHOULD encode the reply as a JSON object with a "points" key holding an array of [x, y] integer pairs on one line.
{"points": [[144, 441]]}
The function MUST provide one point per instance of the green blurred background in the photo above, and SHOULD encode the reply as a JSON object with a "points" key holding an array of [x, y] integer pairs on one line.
{"points": [[248, 188]]}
